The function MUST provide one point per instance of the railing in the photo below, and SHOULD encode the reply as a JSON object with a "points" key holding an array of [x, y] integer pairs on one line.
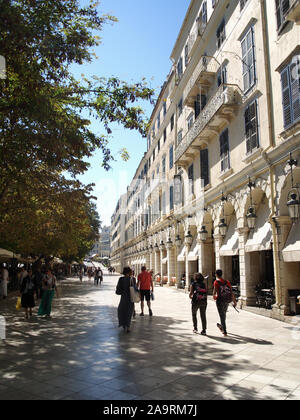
{"points": [[206, 65], [225, 95]]}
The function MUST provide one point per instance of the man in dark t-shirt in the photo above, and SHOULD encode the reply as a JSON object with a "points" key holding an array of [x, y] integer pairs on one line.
{"points": [[223, 296]]}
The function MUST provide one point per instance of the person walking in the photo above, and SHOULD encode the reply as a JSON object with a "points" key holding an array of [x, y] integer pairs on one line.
{"points": [[49, 289], [223, 296], [4, 281], [198, 296], [145, 283], [126, 307], [27, 293]]}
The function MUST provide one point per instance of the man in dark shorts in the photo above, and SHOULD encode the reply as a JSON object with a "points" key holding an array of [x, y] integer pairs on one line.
{"points": [[144, 284]]}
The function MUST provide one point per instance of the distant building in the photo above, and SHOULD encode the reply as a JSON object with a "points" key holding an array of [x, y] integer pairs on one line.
{"points": [[104, 243]]}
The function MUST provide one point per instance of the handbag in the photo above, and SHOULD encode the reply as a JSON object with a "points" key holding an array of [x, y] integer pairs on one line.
{"points": [[18, 305], [135, 296]]}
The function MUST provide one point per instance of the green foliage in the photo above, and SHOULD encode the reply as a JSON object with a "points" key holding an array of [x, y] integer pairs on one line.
{"points": [[43, 132]]}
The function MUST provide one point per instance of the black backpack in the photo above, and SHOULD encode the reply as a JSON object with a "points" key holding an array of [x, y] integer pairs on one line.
{"points": [[225, 292], [200, 293]]}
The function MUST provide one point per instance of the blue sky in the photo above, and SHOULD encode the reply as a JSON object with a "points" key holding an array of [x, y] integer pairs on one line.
{"points": [[138, 45]]}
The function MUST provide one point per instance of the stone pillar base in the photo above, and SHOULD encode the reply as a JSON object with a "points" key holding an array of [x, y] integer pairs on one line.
{"points": [[247, 301]]}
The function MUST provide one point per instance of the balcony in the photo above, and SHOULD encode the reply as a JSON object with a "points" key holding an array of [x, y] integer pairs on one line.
{"points": [[219, 111], [204, 75], [294, 12]]}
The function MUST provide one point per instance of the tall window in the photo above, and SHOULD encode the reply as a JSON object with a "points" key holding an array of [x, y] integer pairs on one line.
{"points": [[204, 167], [224, 151], [290, 85], [251, 127], [180, 107], [171, 157], [179, 137], [180, 68], [191, 179], [248, 57], [221, 35], [172, 122], [282, 7], [171, 197], [243, 3]]}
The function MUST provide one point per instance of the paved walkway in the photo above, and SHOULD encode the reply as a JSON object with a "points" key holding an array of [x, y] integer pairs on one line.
{"points": [[81, 354]]}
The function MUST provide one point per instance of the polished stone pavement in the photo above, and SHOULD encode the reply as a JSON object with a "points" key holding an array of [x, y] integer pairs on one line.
{"points": [[81, 354]]}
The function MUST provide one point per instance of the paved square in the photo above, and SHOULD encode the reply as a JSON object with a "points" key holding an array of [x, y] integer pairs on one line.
{"points": [[80, 354]]}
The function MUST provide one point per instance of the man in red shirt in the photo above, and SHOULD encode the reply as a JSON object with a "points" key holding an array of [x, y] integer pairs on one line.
{"points": [[144, 284], [223, 296]]}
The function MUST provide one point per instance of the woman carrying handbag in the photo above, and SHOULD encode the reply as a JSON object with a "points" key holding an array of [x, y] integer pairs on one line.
{"points": [[126, 306]]}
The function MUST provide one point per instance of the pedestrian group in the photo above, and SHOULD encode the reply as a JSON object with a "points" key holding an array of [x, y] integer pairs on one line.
{"points": [[222, 294]]}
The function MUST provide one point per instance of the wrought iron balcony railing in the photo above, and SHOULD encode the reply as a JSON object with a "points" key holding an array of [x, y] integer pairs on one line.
{"points": [[221, 106]]}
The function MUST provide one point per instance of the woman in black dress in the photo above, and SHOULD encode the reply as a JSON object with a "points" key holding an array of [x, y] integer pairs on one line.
{"points": [[27, 294], [126, 307]]}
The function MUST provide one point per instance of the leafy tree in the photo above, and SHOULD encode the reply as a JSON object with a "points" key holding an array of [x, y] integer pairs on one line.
{"points": [[43, 129]]}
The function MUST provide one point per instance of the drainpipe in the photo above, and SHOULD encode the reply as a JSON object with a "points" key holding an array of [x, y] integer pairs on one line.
{"points": [[274, 225]]}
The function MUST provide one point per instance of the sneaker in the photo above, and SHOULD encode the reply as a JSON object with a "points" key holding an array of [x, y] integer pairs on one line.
{"points": [[150, 312], [142, 314], [203, 332], [195, 331]]}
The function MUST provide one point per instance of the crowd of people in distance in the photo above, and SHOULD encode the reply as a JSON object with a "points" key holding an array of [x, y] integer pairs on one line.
{"points": [[222, 294]]}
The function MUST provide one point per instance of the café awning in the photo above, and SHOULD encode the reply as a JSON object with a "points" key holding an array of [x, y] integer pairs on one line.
{"points": [[291, 251], [193, 254], [260, 239], [230, 245], [165, 260], [182, 253]]}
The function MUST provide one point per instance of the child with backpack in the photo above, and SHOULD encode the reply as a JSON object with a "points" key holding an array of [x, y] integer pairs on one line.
{"points": [[198, 295], [223, 296]]}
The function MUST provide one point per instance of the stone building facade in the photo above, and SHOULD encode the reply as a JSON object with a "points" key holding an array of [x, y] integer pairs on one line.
{"points": [[223, 154]]}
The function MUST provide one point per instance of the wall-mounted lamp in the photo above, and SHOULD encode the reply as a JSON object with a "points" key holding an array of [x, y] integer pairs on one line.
{"points": [[293, 202]]}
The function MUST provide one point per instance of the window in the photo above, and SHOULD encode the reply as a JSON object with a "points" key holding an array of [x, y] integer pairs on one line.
{"points": [[149, 141], [153, 155], [221, 36], [224, 151], [282, 7], [171, 197], [248, 57], [164, 167], [180, 68], [158, 121], [222, 75], [243, 3], [190, 121], [199, 104], [191, 179], [179, 137], [204, 167], [186, 55], [251, 127], [172, 122], [290, 85], [180, 107], [158, 146], [171, 158], [165, 135], [164, 108]]}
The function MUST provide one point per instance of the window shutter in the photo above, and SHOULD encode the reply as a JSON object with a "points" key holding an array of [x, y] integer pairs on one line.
{"points": [[204, 166], [286, 97], [295, 90]]}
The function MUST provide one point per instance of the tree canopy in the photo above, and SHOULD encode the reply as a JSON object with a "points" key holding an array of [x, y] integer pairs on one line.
{"points": [[45, 136]]}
